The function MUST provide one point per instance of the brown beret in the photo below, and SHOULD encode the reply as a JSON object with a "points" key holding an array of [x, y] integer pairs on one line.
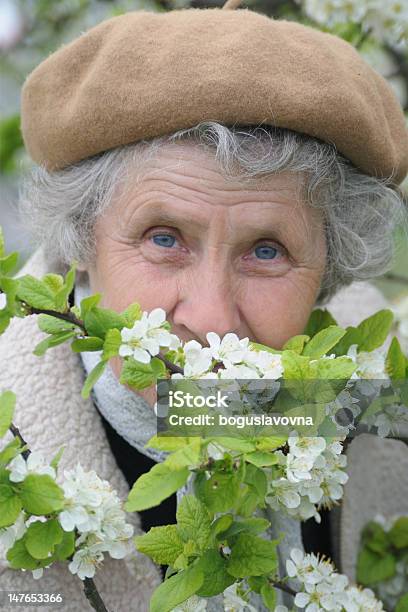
{"points": [[145, 74]]}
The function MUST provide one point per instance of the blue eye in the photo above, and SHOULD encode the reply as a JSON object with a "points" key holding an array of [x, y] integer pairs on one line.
{"points": [[164, 240], [266, 252]]}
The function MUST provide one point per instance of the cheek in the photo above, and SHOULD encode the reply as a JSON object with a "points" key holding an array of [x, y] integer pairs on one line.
{"points": [[279, 309]]}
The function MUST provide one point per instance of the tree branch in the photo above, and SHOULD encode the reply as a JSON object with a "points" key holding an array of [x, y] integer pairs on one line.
{"points": [[69, 316], [16, 433], [170, 365], [93, 596], [283, 587]]}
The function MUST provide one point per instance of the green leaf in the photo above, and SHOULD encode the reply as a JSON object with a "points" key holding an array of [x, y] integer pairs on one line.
{"points": [[221, 524], [52, 325], [252, 556], [262, 347], [92, 378], [269, 443], [374, 330], [7, 404], [373, 568], [235, 444], [194, 521], [352, 336], [140, 375], [402, 604], [395, 362], [253, 525], [323, 341], [340, 368], [54, 282], [19, 557], [187, 456], [40, 494], [261, 459], [375, 538], [399, 532], [64, 292], [152, 488], [4, 320], [88, 303], [268, 596], [10, 286], [111, 345], [91, 343], [35, 293], [318, 320], [52, 341], [162, 544], [216, 577], [219, 492], [42, 537], [66, 547], [176, 589], [7, 264], [295, 366], [11, 450], [99, 320], [10, 505], [11, 142], [296, 343], [168, 443], [132, 313], [56, 459]]}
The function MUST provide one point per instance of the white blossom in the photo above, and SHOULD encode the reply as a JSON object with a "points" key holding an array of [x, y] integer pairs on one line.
{"points": [[34, 464], [390, 419], [311, 479], [147, 336], [95, 510], [230, 350], [371, 364], [233, 602], [322, 588], [306, 445], [85, 561]]}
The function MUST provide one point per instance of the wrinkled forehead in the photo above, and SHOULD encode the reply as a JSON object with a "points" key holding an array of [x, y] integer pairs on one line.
{"points": [[189, 172]]}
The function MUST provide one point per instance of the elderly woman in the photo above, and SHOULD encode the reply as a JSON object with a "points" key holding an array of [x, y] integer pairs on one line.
{"points": [[233, 170]]}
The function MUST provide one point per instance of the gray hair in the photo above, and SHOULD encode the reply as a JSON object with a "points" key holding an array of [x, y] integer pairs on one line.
{"points": [[360, 211]]}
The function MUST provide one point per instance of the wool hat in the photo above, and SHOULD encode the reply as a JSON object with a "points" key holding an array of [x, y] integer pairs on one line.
{"points": [[145, 74]]}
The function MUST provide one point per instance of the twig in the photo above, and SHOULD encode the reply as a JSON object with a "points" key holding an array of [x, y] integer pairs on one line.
{"points": [[283, 587], [170, 365], [69, 317], [93, 596], [16, 433]]}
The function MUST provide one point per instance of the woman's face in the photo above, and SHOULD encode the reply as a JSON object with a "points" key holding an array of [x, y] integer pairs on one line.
{"points": [[215, 254]]}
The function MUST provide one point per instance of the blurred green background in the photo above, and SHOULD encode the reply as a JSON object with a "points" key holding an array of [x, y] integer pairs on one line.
{"points": [[32, 29]]}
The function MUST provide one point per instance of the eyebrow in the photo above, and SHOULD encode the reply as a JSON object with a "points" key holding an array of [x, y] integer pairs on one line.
{"points": [[159, 213]]}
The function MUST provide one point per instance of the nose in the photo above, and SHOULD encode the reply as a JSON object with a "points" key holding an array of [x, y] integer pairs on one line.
{"points": [[207, 302]]}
